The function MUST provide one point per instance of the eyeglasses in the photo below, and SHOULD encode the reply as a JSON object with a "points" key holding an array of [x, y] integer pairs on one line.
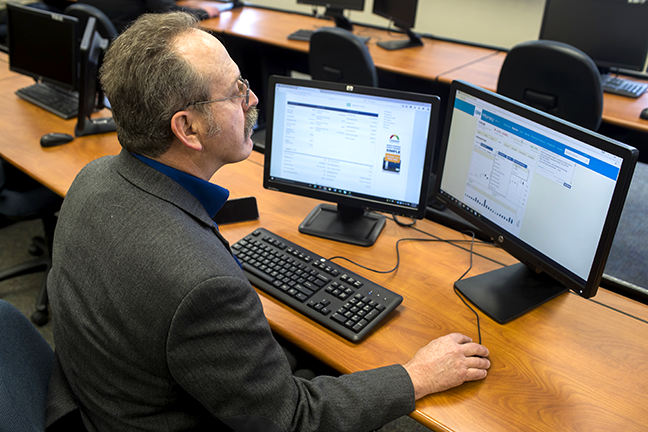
{"points": [[244, 89]]}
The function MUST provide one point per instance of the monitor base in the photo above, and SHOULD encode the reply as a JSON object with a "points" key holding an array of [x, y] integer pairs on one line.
{"points": [[392, 45], [509, 292], [343, 224]]}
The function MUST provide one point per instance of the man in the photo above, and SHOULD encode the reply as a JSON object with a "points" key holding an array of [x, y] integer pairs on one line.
{"points": [[123, 12], [156, 327]]}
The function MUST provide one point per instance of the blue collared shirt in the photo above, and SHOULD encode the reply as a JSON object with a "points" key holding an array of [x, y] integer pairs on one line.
{"points": [[211, 196]]}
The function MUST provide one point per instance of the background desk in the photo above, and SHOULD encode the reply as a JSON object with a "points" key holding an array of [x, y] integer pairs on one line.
{"points": [[427, 69], [571, 364]]}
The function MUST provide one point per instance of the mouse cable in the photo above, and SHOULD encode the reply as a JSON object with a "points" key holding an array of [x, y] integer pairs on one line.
{"points": [[472, 243], [472, 253], [454, 287]]}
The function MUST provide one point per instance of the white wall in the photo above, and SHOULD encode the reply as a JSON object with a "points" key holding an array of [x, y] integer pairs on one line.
{"points": [[502, 23]]}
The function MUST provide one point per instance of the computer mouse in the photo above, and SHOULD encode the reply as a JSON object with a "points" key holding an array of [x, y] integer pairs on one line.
{"points": [[55, 138], [644, 114]]}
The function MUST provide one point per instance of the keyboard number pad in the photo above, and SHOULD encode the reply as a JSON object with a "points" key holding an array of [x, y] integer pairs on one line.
{"points": [[358, 312]]}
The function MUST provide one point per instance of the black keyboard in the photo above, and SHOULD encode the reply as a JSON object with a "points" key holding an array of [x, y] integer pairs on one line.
{"points": [[304, 35], [56, 100], [342, 301], [623, 87]]}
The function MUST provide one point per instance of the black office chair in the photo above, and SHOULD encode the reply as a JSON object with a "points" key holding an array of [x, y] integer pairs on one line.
{"points": [[82, 12], [338, 55], [556, 78], [21, 199], [26, 363]]}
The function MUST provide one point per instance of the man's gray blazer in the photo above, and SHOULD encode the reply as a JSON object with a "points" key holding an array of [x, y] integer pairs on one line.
{"points": [[157, 329]]}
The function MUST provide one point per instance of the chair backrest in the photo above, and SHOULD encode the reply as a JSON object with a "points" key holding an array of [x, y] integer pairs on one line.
{"points": [[338, 55], [25, 366], [105, 27], [556, 78]]}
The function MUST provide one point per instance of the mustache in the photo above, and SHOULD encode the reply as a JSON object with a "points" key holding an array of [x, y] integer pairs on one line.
{"points": [[251, 117]]}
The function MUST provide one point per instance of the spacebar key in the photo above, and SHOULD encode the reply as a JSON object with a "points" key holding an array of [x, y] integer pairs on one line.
{"points": [[258, 273]]}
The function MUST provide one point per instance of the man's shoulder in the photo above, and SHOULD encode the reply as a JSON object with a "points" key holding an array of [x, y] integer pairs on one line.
{"points": [[108, 170], [102, 165]]}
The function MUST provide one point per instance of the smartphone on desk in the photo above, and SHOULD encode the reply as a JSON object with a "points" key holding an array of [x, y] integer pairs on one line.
{"points": [[237, 210]]}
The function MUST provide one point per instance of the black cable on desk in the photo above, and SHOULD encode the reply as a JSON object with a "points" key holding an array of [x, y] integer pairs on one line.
{"points": [[435, 239]]}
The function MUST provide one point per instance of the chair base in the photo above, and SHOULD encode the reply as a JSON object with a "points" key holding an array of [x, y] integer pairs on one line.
{"points": [[41, 316]]}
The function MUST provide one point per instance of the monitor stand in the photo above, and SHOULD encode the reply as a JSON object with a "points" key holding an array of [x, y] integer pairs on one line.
{"points": [[509, 292], [392, 45], [230, 6], [338, 16], [344, 224]]}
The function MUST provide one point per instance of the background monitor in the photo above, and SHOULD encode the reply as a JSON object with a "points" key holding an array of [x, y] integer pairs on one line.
{"points": [[43, 45], [363, 148], [403, 14], [230, 5], [335, 9], [90, 95], [548, 192], [612, 32]]}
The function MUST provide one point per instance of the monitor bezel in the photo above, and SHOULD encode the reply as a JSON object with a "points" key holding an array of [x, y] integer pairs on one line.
{"points": [[519, 249], [63, 20], [371, 205]]}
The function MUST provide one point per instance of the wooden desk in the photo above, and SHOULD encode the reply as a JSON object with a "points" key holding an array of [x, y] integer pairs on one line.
{"points": [[273, 27], [569, 365], [55, 167]]}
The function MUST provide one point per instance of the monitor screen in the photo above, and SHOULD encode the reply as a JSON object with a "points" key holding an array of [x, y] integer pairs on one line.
{"points": [[403, 14], [547, 191], [363, 148], [43, 45], [612, 32]]}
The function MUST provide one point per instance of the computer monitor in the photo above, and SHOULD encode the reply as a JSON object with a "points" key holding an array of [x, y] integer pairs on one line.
{"points": [[403, 14], [363, 148], [90, 95], [612, 32], [548, 192], [335, 9], [230, 5], [42, 45]]}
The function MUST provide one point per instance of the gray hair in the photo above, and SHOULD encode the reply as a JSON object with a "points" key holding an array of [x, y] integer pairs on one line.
{"points": [[147, 81]]}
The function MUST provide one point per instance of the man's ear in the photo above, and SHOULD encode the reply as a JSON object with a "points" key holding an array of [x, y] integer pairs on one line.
{"points": [[185, 128]]}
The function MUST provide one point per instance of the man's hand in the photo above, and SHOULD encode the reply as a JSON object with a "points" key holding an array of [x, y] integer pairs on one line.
{"points": [[447, 362]]}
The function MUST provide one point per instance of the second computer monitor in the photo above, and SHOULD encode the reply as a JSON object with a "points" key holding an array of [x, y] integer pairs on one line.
{"points": [[403, 14], [612, 32], [90, 94], [548, 192]]}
